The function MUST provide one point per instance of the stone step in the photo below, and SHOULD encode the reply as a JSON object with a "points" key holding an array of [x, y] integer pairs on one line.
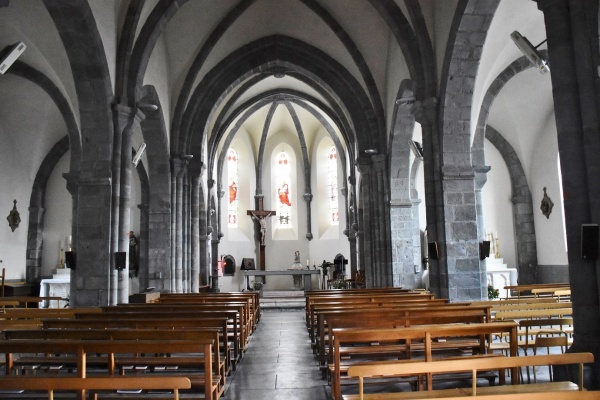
{"points": [[282, 299]]}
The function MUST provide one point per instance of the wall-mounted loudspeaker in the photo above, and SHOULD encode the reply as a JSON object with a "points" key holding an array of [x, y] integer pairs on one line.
{"points": [[248, 264], [120, 260], [589, 242], [484, 249], [432, 248], [70, 260]]}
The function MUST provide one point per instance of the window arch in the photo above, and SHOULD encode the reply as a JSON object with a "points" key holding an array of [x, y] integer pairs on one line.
{"points": [[283, 170], [232, 184], [332, 186]]}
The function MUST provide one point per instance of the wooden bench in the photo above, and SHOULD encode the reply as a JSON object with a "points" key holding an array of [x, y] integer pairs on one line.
{"points": [[219, 369], [467, 364], [545, 395], [11, 384], [426, 333], [394, 317], [316, 308], [520, 290], [238, 321], [106, 350], [252, 299], [161, 324], [357, 298]]}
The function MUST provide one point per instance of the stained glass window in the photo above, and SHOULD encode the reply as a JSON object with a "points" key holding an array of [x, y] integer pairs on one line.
{"points": [[332, 186], [232, 184], [283, 187]]}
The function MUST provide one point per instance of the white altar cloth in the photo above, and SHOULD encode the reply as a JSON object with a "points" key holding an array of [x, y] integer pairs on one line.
{"points": [[60, 287]]}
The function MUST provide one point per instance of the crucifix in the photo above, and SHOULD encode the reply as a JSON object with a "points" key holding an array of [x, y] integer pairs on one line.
{"points": [[260, 215]]}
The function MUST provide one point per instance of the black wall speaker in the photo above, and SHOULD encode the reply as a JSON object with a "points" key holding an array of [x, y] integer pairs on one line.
{"points": [[484, 249], [70, 260], [432, 248], [248, 263], [120, 260], [589, 242]]}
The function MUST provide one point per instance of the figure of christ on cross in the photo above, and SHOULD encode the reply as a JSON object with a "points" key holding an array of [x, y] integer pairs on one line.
{"points": [[261, 216]]}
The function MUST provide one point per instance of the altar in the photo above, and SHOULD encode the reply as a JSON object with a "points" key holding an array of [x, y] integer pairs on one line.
{"points": [[55, 287], [305, 273]]}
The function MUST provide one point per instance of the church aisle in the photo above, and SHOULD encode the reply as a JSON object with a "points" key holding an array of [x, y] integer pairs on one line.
{"points": [[279, 363]]}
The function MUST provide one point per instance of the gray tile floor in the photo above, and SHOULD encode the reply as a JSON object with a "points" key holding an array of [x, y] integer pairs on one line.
{"points": [[279, 362]]}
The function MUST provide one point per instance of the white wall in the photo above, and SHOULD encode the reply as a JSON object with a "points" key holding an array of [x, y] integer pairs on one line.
{"points": [[551, 245], [16, 182], [57, 218], [497, 204]]}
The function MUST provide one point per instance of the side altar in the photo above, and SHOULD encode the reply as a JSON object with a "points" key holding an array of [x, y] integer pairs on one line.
{"points": [[305, 273]]}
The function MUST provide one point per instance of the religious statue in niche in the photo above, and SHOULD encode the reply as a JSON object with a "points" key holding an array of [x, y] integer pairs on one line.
{"points": [[14, 219], [546, 205], [133, 253]]}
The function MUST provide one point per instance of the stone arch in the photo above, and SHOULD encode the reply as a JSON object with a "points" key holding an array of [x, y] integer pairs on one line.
{"points": [[91, 189], [267, 55], [71, 141], [402, 207], [37, 209], [522, 208], [452, 212], [154, 132], [522, 202]]}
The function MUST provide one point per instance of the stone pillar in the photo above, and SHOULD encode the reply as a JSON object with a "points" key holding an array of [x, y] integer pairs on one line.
{"points": [[175, 170], [124, 119], [574, 77], [133, 118], [352, 231], [401, 205], [215, 270], [185, 278], [179, 229], [195, 234], [91, 243], [376, 220], [73, 188], [35, 244], [308, 199], [426, 113], [143, 243]]}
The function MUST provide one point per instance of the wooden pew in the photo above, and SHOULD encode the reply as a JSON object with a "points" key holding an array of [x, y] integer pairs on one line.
{"points": [[426, 333], [468, 364], [84, 349], [252, 298], [219, 369], [520, 290], [161, 324], [236, 330], [393, 317], [357, 298], [239, 319], [317, 308], [50, 384], [546, 395]]}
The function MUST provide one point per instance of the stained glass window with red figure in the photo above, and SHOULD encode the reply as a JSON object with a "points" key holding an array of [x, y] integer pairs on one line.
{"points": [[282, 177], [332, 186], [232, 179]]}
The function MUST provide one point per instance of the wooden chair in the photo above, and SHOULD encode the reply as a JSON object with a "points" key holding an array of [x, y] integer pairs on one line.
{"points": [[359, 280], [549, 339]]}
